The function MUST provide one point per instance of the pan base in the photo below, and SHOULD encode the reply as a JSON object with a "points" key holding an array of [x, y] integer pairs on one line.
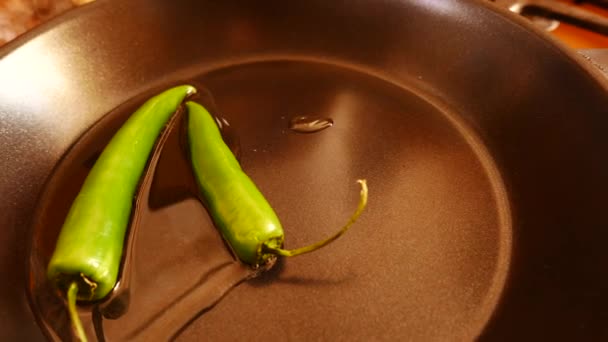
{"points": [[429, 257], [426, 261]]}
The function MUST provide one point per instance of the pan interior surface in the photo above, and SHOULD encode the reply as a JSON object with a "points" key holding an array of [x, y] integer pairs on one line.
{"points": [[443, 105], [428, 258]]}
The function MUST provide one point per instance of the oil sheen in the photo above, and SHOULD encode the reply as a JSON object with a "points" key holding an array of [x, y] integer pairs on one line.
{"points": [[427, 260], [309, 124], [175, 265]]}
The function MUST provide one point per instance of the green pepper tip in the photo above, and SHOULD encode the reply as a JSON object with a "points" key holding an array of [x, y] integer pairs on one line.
{"points": [[191, 90]]}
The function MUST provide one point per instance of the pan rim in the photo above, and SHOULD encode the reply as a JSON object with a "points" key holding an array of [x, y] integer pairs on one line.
{"points": [[572, 56]]}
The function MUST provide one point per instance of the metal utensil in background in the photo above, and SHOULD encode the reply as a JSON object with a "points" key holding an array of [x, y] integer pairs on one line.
{"points": [[548, 13]]}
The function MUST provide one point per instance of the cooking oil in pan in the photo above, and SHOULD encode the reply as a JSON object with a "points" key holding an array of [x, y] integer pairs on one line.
{"points": [[427, 260], [175, 264], [309, 124]]}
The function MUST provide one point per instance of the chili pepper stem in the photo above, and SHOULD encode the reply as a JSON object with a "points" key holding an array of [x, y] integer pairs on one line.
{"points": [[315, 246], [73, 311]]}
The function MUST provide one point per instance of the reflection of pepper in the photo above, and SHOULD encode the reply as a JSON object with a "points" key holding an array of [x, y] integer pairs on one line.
{"points": [[89, 248], [239, 210]]}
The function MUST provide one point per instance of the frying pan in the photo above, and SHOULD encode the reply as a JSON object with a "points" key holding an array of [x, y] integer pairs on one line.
{"points": [[482, 139]]}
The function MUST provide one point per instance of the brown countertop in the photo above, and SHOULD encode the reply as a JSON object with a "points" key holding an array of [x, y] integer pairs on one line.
{"points": [[18, 16]]}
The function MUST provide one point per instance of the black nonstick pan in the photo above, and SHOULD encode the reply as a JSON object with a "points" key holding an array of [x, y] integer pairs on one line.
{"points": [[483, 142]]}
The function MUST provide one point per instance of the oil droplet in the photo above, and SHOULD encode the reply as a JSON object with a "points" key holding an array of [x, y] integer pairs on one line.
{"points": [[204, 97], [229, 134], [309, 124]]}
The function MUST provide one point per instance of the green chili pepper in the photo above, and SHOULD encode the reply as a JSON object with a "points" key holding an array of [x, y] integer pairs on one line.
{"points": [[90, 244], [239, 210]]}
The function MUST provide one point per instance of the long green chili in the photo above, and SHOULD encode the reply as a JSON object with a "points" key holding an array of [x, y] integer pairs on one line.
{"points": [[239, 210], [90, 245]]}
